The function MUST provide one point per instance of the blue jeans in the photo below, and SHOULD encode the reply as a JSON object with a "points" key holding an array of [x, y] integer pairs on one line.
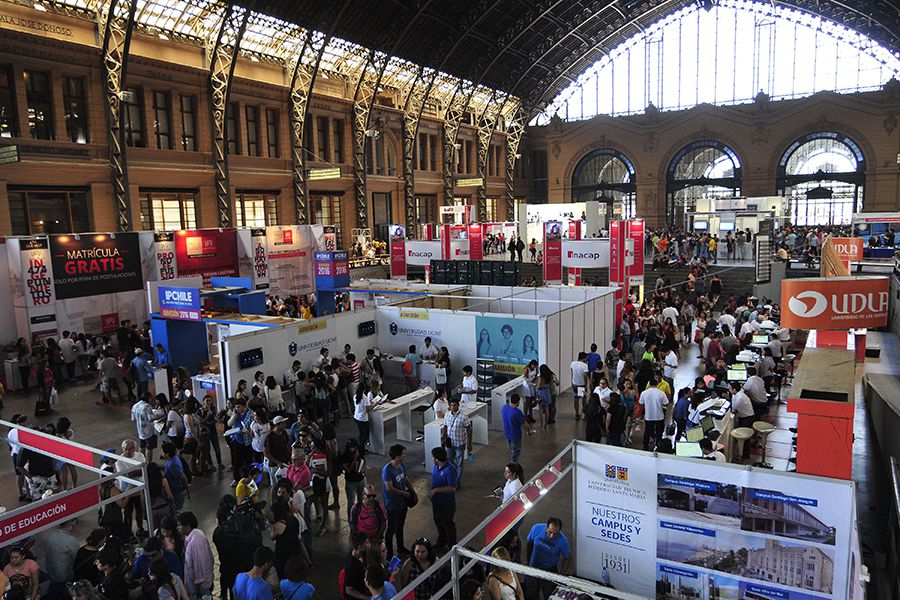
{"points": [[457, 457], [515, 447]]}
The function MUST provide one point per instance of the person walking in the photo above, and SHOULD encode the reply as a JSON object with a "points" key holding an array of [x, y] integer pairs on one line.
{"points": [[654, 402], [396, 491], [443, 498], [198, 557], [513, 422], [547, 549], [457, 436]]}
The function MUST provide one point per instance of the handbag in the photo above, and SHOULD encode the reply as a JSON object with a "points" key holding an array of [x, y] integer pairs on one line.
{"points": [[440, 376], [413, 498]]}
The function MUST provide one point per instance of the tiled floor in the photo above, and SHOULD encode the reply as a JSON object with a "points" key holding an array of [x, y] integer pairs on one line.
{"points": [[106, 427]]}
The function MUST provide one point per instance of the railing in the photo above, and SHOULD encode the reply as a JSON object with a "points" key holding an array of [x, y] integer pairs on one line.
{"points": [[893, 551]]}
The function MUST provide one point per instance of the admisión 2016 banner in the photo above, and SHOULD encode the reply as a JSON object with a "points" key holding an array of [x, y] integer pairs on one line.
{"points": [[667, 528]]}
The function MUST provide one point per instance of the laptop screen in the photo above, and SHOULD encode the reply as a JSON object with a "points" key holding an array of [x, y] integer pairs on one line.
{"points": [[689, 449], [737, 375], [707, 424], [760, 339], [694, 434]]}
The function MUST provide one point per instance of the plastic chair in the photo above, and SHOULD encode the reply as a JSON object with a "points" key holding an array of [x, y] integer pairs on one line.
{"points": [[740, 435], [763, 428]]}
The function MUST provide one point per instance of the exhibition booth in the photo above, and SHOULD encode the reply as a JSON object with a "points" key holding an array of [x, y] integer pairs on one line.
{"points": [[643, 526], [90, 282]]}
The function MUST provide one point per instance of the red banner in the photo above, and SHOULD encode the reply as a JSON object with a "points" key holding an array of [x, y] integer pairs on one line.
{"points": [[616, 253], [834, 303], [848, 248], [398, 251], [56, 509], [574, 230], [635, 271], [57, 446], [476, 239], [207, 253], [552, 252]]}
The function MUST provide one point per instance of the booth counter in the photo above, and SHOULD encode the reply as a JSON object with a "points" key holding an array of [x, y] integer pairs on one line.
{"points": [[477, 413], [394, 380], [500, 398], [401, 411]]}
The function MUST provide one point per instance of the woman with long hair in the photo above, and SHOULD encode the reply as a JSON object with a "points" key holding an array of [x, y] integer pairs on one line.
{"points": [[66, 470], [274, 397], [420, 560], [362, 408], [294, 584], [168, 584], [504, 584], [543, 393], [593, 419], [515, 479], [530, 373], [615, 420], [484, 343], [169, 535], [285, 534], [160, 494]]}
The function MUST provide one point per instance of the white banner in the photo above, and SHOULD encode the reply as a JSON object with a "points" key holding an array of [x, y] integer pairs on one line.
{"points": [[588, 254], [290, 251], [164, 250], [37, 279], [422, 252], [651, 526], [259, 258]]}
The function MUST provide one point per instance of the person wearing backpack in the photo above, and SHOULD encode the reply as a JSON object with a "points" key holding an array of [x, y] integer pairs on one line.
{"points": [[411, 369], [369, 517]]}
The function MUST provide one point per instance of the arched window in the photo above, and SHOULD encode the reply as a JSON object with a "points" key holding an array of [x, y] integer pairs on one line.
{"points": [[823, 175], [725, 54], [701, 170], [606, 175]]}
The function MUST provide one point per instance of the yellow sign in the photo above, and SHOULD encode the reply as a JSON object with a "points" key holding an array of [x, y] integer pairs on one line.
{"points": [[469, 182], [415, 314], [312, 326], [319, 174]]}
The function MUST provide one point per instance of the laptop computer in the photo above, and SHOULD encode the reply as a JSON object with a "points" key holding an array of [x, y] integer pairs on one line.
{"points": [[694, 434], [736, 375], [707, 424], [688, 449], [760, 339]]}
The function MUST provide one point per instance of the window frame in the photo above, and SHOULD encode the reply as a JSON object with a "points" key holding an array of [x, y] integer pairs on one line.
{"points": [[269, 200], [273, 129], [162, 114], [187, 202], [8, 92], [80, 102], [25, 191], [35, 98], [188, 142], [128, 124], [251, 122], [232, 128]]}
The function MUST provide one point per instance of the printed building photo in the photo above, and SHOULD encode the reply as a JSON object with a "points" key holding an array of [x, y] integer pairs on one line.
{"points": [[804, 567], [706, 500], [765, 515]]}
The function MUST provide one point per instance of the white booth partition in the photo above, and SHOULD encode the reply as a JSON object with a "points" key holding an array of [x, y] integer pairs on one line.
{"points": [[274, 349]]}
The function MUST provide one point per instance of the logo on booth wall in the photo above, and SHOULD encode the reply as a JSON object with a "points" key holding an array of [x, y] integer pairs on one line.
{"points": [[800, 308], [422, 254], [616, 472], [292, 348], [584, 255], [394, 329]]}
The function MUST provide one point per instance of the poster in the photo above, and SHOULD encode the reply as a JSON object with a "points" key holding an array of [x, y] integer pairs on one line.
{"points": [[259, 258], [289, 251], [164, 249], [552, 252], [453, 238], [616, 254], [94, 264], [659, 530], [834, 302], [207, 253], [476, 239], [179, 303], [329, 238], [635, 268], [40, 297], [510, 343], [398, 251]]}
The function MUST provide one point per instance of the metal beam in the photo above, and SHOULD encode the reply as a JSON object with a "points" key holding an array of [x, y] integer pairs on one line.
{"points": [[516, 128], [487, 122], [222, 59], [412, 116], [302, 76], [453, 116], [116, 24], [363, 100]]}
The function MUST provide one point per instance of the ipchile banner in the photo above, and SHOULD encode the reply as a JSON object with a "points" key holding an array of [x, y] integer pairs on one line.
{"points": [[94, 264]]}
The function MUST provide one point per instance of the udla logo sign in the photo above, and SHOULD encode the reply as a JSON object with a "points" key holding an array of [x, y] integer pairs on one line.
{"points": [[835, 303]]}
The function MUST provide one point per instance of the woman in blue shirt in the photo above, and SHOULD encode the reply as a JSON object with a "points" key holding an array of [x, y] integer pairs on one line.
{"points": [[294, 585]]}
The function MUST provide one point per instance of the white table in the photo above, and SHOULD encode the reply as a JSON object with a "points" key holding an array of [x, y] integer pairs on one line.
{"points": [[394, 381], [400, 410], [477, 413], [161, 382], [13, 380], [500, 397]]}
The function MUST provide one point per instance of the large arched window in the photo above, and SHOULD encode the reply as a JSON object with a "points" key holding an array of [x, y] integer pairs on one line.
{"points": [[725, 54], [823, 175], [701, 170], [606, 175]]}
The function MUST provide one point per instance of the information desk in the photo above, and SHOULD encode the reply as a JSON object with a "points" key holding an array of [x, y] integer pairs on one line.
{"points": [[477, 413], [395, 383], [500, 398], [401, 410]]}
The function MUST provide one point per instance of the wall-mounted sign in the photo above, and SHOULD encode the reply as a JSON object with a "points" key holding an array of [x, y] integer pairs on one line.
{"points": [[9, 154], [834, 303], [90, 265], [179, 303], [325, 173], [469, 182]]}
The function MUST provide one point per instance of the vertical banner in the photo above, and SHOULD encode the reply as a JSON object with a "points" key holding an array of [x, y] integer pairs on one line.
{"points": [[552, 252], [40, 297], [289, 254], [428, 231], [398, 252], [616, 253], [259, 258], [763, 243], [476, 239], [574, 230], [164, 249], [329, 238], [635, 269], [445, 241]]}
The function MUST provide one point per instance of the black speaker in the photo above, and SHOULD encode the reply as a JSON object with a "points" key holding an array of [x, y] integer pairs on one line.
{"points": [[486, 272]]}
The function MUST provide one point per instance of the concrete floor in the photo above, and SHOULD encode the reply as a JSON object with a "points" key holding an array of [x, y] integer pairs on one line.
{"points": [[104, 427]]}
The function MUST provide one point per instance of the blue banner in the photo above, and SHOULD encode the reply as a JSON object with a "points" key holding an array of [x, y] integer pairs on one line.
{"points": [[179, 303], [511, 343]]}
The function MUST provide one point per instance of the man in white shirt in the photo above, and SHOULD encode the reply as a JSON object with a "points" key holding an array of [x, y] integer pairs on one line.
{"points": [[726, 318], [669, 365], [670, 312], [746, 328], [290, 379], [69, 353], [603, 391], [775, 346], [741, 405], [143, 416], [710, 452], [654, 402], [755, 388], [469, 388], [579, 382], [133, 507], [428, 351], [323, 359]]}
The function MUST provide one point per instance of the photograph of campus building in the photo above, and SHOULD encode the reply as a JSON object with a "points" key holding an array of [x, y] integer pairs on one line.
{"points": [[765, 515], [806, 567], [706, 500], [678, 583]]}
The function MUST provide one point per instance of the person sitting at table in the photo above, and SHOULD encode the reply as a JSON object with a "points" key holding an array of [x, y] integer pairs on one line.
{"points": [[708, 448], [755, 388], [765, 366], [428, 351]]}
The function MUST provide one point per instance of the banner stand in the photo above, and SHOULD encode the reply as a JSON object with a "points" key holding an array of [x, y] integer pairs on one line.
{"points": [[40, 515]]}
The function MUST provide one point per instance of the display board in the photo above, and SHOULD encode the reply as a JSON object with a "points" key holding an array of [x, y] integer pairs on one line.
{"points": [[94, 264], [207, 252], [668, 527], [398, 251], [510, 342], [421, 253], [552, 252], [834, 302], [592, 253], [290, 252]]}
